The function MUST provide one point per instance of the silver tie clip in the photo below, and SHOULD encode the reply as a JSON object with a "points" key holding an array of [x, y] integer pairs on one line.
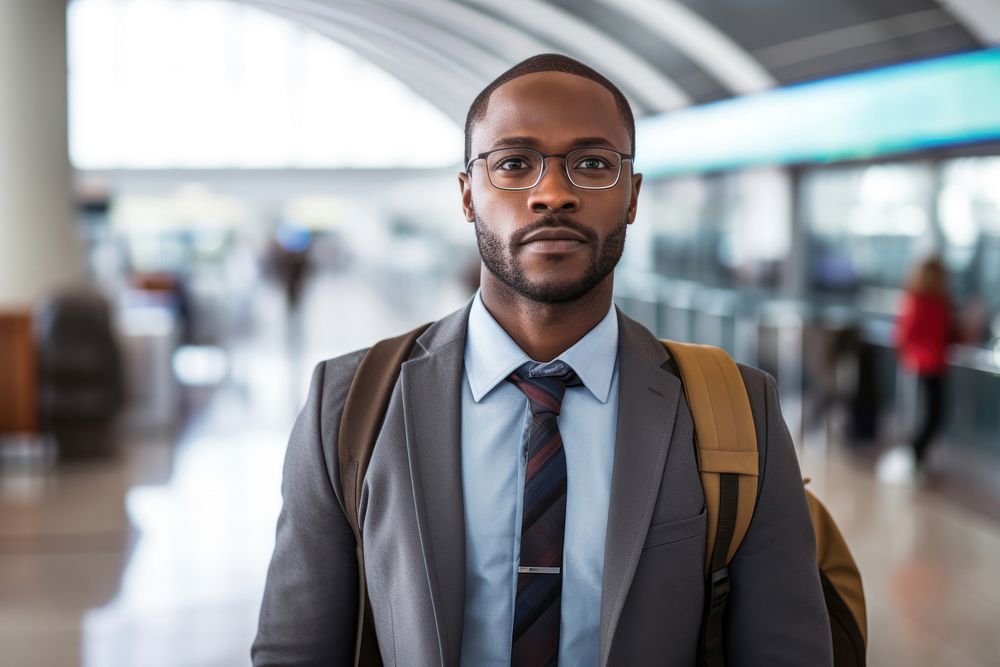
{"points": [[538, 570]]}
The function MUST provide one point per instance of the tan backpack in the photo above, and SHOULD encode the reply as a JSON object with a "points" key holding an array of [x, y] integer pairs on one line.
{"points": [[727, 461]]}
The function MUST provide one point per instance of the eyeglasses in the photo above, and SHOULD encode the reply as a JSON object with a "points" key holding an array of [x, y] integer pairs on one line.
{"points": [[523, 168]]}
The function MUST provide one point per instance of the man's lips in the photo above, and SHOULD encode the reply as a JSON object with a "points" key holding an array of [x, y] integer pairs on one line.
{"points": [[562, 236]]}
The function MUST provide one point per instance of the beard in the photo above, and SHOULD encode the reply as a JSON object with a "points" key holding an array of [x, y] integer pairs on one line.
{"points": [[501, 258]]}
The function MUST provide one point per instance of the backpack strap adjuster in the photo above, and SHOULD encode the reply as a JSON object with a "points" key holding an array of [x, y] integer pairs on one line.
{"points": [[718, 590], [712, 628]]}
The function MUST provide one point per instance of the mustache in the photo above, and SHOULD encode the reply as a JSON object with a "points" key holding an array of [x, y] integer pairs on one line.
{"points": [[555, 220]]}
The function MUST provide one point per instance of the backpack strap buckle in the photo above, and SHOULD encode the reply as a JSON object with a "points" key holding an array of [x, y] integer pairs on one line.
{"points": [[712, 630], [718, 590]]}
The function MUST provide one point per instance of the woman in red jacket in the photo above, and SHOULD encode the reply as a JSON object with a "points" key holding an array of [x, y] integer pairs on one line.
{"points": [[923, 333]]}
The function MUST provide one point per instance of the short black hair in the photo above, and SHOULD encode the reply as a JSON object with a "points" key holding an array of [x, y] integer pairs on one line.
{"points": [[546, 62]]}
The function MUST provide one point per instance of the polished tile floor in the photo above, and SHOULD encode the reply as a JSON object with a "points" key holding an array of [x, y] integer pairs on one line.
{"points": [[157, 557], [929, 565]]}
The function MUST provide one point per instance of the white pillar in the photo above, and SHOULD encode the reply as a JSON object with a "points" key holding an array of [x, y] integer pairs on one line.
{"points": [[40, 245]]}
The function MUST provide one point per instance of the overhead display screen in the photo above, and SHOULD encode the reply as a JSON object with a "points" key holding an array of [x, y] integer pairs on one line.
{"points": [[903, 108]]}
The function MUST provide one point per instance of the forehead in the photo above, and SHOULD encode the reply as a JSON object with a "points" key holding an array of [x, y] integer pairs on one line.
{"points": [[554, 108]]}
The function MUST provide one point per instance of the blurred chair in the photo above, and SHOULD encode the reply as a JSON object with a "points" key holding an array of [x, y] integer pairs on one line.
{"points": [[18, 374], [80, 373], [842, 382]]}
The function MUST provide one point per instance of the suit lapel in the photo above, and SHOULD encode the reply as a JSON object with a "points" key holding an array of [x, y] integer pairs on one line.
{"points": [[647, 404], [432, 407]]}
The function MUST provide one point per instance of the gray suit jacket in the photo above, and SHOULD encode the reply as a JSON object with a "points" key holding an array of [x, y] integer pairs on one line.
{"points": [[413, 521]]}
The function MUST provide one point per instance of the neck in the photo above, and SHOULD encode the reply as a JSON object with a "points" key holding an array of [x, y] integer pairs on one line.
{"points": [[545, 330]]}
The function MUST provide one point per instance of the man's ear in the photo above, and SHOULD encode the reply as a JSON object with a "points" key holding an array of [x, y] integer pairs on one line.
{"points": [[465, 184], [634, 200]]}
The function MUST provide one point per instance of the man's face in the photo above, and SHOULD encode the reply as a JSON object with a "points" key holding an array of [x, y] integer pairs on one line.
{"points": [[554, 242]]}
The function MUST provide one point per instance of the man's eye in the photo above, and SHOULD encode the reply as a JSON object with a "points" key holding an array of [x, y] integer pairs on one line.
{"points": [[591, 163], [513, 164]]}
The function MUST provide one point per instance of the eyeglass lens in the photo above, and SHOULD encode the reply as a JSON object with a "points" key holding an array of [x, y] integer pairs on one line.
{"points": [[517, 168]]}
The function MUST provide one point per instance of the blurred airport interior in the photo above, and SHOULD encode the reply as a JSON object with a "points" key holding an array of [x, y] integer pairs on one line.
{"points": [[201, 199]]}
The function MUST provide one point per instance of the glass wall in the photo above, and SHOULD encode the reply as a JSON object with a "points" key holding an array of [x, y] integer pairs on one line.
{"points": [[722, 245], [725, 230], [866, 224], [969, 211]]}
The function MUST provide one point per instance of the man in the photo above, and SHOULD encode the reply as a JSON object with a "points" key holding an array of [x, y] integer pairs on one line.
{"points": [[533, 495]]}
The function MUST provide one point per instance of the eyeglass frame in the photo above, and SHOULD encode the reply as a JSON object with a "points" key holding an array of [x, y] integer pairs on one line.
{"points": [[545, 157]]}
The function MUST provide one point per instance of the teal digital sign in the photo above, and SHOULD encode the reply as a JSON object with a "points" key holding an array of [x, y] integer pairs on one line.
{"points": [[903, 108]]}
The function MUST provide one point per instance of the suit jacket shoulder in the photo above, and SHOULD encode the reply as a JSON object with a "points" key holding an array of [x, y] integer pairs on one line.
{"points": [[759, 384], [310, 599], [331, 380], [309, 609], [776, 614]]}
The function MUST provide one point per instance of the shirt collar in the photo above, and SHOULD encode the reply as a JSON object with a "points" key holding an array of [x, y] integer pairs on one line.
{"points": [[491, 355]]}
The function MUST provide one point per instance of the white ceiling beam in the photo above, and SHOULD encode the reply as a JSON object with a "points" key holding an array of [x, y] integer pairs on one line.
{"points": [[708, 47], [490, 33], [980, 17], [405, 37], [649, 87], [444, 92], [825, 44], [451, 44]]}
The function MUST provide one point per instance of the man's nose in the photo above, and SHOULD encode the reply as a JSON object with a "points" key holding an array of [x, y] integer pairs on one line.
{"points": [[554, 192]]}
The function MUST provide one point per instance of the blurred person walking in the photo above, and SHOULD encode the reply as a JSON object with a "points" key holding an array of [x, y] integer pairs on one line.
{"points": [[289, 260], [923, 334]]}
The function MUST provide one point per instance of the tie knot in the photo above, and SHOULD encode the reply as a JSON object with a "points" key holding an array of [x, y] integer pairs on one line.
{"points": [[544, 384]]}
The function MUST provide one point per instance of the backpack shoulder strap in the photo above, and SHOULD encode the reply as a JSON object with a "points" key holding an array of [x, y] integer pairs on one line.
{"points": [[725, 434], [726, 443], [364, 412]]}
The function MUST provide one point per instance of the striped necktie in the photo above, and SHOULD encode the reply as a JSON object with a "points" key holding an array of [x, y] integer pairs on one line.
{"points": [[543, 520]]}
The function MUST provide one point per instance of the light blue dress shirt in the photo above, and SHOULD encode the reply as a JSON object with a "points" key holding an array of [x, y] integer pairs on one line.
{"points": [[494, 414]]}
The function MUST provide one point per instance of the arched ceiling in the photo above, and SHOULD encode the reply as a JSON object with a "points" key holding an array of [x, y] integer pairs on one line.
{"points": [[664, 54]]}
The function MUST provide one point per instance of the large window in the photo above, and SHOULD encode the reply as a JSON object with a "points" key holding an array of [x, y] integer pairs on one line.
{"points": [[726, 229], [210, 84], [969, 212], [867, 224]]}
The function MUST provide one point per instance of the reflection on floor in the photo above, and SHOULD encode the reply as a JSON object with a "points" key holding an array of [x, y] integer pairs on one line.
{"points": [[929, 565], [158, 557]]}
